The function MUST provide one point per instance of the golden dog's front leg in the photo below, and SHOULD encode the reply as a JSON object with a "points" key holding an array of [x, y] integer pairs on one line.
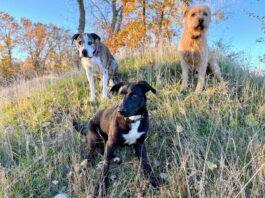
{"points": [[201, 77], [184, 75], [213, 65]]}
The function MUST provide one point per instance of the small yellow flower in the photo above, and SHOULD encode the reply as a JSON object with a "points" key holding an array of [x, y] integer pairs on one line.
{"points": [[250, 120], [179, 128], [211, 165]]}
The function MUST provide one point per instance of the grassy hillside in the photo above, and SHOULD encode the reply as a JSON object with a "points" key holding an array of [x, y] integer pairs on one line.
{"points": [[204, 145]]}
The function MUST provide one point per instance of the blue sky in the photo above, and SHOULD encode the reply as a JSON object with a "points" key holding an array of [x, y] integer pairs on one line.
{"points": [[238, 30]]}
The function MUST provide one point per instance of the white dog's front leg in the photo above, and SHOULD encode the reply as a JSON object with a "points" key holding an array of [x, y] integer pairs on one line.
{"points": [[105, 83], [90, 78], [105, 75]]}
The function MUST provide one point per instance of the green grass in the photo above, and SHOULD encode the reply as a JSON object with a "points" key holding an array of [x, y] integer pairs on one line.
{"points": [[210, 144]]}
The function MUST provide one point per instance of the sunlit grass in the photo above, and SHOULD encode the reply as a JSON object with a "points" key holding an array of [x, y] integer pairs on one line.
{"points": [[208, 145]]}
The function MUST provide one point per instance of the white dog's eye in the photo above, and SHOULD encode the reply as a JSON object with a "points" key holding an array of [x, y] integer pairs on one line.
{"points": [[89, 43], [205, 14], [80, 42]]}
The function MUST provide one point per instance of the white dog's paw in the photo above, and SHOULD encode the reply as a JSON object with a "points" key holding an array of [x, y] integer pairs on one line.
{"points": [[198, 90], [100, 165], [116, 160], [92, 99]]}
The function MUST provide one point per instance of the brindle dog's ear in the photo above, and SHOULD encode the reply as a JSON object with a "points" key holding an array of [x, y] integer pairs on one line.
{"points": [[146, 87], [117, 87], [95, 36], [75, 37]]}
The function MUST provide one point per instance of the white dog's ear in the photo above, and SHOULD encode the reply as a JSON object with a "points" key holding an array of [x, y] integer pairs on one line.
{"points": [[75, 37], [95, 36]]}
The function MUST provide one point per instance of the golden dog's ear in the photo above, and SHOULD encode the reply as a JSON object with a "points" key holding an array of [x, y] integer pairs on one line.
{"points": [[208, 9]]}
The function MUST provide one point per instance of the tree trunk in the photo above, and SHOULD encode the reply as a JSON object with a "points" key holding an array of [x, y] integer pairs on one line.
{"points": [[119, 22], [82, 16], [81, 27], [10, 58], [114, 16], [144, 12]]}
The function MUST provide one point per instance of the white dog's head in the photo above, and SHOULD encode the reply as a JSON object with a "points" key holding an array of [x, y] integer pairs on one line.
{"points": [[197, 18], [87, 44]]}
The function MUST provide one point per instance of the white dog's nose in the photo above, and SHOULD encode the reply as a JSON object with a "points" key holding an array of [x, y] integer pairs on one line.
{"points": [[84, 52]]}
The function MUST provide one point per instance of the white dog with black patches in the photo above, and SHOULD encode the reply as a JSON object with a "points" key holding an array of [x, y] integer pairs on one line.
{"points": [[96, 59]]}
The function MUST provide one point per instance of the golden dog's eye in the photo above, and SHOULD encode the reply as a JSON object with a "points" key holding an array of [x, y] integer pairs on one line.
{"points": [[193, 14], [89, 43], [205, 14], [80, 42]]}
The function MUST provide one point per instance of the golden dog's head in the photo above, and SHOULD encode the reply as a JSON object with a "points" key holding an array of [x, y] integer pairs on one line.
{"points": [[197, 18]]}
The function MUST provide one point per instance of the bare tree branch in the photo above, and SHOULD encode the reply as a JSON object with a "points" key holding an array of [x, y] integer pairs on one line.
{"points": [[82, 16]]}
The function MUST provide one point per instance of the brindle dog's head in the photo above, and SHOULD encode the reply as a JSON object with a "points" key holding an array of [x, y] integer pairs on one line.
{"points": [[197, 18], [86, 44], [132, 98]]}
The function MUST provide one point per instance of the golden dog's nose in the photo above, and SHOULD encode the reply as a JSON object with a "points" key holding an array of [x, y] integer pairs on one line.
{"points": [[201, 20]]}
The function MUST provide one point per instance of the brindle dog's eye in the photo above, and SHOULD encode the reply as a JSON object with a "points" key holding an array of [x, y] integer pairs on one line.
{"points": [[80, 42], [205, 14], [193, 14], [89, 43]]}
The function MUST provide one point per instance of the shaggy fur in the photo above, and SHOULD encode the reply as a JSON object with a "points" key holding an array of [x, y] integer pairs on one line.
{"points": [[193, 49]]}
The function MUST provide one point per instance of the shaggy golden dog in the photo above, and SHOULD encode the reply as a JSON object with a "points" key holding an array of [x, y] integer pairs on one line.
{"points": [[193, 49]]}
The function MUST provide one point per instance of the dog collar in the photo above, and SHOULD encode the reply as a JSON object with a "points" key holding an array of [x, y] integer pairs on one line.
{"points": [[196, 37], [133, 119], [95, 53]]}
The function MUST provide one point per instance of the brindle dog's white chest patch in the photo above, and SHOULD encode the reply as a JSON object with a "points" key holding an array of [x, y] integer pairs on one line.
{"points": [[133, 135]]}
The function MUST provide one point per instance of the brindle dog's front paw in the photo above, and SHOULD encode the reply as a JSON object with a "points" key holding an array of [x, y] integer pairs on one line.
{"points": [[155, 182], [100, 191]]}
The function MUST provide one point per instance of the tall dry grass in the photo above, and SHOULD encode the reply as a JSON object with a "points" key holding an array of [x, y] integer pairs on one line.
{"points": [[206, 145]]}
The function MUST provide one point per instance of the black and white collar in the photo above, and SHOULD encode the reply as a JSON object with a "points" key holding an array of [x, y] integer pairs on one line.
{"points": [[133, 119]]}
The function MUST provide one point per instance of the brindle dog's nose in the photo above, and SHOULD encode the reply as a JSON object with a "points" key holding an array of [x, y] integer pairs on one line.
{"points": [[84, 53]]}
